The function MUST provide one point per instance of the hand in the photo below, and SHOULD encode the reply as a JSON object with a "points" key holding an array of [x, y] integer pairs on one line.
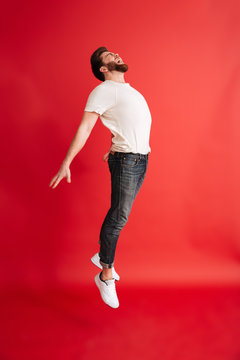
{"points": [[105, 157], [64, 172]]}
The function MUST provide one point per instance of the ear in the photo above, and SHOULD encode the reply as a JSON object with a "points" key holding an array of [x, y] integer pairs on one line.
{"points": [[103, 69]]}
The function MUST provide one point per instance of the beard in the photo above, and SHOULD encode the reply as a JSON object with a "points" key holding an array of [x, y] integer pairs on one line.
{"points": [[117, 67]]}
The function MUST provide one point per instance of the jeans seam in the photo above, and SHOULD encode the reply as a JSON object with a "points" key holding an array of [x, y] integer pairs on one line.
{"points": [[120, 189]]}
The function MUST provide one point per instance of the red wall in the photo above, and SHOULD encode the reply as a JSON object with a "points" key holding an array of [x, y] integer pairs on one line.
{"points": [[183, 56]]}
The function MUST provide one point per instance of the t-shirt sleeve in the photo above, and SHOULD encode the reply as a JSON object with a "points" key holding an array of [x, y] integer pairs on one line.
{"points": [[100, 99]]}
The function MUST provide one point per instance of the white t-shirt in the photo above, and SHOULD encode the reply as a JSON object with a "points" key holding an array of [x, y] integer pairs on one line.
{"points": [[124, 111]]}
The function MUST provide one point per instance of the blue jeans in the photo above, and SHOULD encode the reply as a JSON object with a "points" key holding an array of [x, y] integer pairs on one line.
{"points": [[128, 171]]}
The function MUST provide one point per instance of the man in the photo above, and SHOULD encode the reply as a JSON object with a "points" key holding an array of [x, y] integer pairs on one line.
{"points": [[124, 111]]}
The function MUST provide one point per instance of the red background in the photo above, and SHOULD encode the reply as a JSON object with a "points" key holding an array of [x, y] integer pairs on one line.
{"points": [[178, 256], [184, 58]]}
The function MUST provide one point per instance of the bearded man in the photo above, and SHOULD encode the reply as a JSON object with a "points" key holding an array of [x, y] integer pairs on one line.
{"points": [[124, 111]]}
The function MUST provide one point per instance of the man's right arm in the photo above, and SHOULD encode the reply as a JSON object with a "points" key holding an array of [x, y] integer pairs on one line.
{"points": [[88, 121]]}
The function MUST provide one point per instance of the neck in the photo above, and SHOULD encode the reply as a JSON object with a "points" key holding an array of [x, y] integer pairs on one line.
{"points": [[115, 76]]}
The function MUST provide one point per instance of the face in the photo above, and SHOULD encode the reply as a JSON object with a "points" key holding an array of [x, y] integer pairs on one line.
{"points": [[112, 62]]}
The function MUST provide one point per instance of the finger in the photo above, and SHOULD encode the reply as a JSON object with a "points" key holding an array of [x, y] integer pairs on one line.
{"points": [[57, 181], [105, 156], [53, 179]]}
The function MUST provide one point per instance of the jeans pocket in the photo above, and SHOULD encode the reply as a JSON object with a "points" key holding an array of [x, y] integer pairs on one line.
{"points": [[129, 161]]}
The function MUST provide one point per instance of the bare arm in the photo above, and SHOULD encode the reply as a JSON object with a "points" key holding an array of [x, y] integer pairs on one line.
{"points": [[88, 121]]}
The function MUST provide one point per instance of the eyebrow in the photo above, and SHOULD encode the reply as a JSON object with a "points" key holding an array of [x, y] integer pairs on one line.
{"points": [[108, 54]]}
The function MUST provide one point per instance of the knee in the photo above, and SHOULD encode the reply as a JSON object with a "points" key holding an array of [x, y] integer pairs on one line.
{"points": [[122, 220], [118, 222], [116, 219]]}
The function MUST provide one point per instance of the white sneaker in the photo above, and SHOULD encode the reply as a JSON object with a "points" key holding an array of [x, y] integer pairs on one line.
{"points": [[108, 291], [96, 261]]}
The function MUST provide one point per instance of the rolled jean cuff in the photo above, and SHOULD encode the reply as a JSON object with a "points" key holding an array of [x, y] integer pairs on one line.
{"points": [[107, 266]]}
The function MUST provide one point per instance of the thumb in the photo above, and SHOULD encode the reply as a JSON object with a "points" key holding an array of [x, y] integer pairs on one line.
{"points": [[69, 177]]}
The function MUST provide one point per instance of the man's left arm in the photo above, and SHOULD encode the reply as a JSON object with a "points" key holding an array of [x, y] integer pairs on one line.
{"points": [[105, 157]]}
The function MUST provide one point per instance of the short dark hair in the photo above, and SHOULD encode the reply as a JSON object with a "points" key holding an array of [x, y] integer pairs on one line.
{"points": [[96, 63]]}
